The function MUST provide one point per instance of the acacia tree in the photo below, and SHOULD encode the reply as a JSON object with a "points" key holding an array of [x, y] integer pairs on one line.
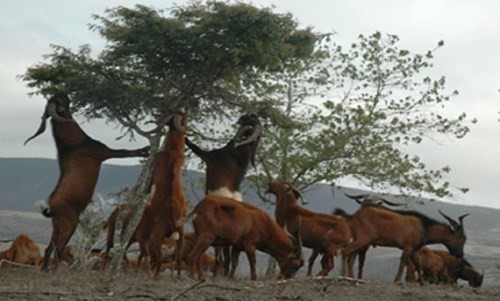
{"points": [[195, 59], [352, 113]]}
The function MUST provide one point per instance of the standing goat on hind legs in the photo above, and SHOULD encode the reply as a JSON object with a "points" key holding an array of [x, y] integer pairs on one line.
{"points": [[80, 158], [167, 204], [227, 166]]}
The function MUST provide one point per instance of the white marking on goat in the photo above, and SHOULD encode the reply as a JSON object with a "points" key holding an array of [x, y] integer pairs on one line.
{"points": [[225, 192]]}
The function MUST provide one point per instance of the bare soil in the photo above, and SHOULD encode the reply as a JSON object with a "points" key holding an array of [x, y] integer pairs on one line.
{"points": [[64, 285]]}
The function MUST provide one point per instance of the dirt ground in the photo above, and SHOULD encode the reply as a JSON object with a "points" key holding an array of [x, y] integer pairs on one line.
{"points": [[64, 285]]}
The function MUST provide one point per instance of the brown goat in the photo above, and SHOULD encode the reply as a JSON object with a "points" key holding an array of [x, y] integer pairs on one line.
{"points": [[407, 230], [226, 167], [363, 200], [80, 158], [167, 204], [206, 260], [110, 225], [221, 221], [323, 233], [23, 250], [460, 268], [428, 265]]}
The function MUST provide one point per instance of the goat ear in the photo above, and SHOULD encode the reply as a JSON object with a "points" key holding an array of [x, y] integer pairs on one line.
{"points": [[178, 124], [297, 243], [452, 222], [41, 128]]}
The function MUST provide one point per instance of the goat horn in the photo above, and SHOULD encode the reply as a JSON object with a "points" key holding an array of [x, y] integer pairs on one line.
{"points": [[51, 111], [299, 194], [161, 124], [452, 222], [461, 219], [356, 197], [391, 203], [40, 130], [177, 124], [257, 131]]}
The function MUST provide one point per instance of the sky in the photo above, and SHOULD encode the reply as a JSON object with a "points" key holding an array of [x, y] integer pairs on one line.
{"points": [[470, 61]]}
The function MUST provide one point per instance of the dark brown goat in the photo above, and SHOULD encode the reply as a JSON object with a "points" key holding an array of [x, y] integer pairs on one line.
{"points": [[221, 221], [323, 233], [407, 230], [80, 158], [167, 204], [226, 167]]}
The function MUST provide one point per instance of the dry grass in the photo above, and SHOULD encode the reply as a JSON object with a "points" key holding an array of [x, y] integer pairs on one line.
{"points": [[27, 284]]}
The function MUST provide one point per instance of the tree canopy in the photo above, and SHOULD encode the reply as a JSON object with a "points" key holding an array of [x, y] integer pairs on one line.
{"points": [[331, 112]]}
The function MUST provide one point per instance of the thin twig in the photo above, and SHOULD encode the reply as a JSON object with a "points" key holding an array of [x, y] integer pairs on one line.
{"points": [[188, 289], [16, 264]]}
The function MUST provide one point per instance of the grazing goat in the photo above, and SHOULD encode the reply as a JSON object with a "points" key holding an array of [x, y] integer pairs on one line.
{"points": [[23, 250], [221, 221], [363, 200], [167, 204], [226, 167], [80, 158], [407, 230], [323, 233], [460, 268]]}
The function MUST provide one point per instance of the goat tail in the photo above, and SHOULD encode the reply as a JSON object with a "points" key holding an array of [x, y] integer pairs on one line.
{"points": [[44, 208], [183, 220]]}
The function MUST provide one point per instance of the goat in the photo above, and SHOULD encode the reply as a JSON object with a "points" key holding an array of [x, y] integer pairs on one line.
{"points": [[221, 221], [363, 200], [167, 204], [110, 224], [407, 230], [428, 265], [460, 268], [80, 158], [206, 260], [23, 250], [226, 167], [323, 233]]}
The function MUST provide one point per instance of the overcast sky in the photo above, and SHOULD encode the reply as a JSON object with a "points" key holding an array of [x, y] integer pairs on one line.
{"points": [[470, 60]]}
